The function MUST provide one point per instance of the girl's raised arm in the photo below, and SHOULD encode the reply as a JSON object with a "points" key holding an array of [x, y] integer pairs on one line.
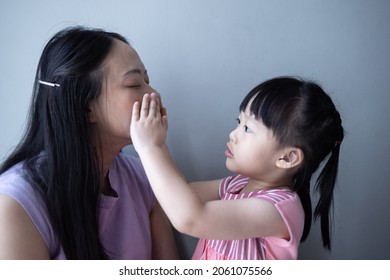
{"points": [[187, 211], [206, 190]]}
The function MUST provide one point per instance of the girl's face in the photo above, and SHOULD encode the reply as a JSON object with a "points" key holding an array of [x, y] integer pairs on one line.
{"points": [[253, 149], [125, 82]]}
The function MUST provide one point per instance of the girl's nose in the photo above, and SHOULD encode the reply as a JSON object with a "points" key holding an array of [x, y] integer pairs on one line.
{"points": [[233, 136]]}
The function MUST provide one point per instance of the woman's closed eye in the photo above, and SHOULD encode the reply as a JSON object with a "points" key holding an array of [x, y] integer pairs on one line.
{"points": [[138, 84], [133, 86]]}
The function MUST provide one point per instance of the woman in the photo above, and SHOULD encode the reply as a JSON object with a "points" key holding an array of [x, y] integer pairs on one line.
{"points": [[66, 191]]}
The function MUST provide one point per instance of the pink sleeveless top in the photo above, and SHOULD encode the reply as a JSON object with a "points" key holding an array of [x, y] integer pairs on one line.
{"points": [[261, 248]]}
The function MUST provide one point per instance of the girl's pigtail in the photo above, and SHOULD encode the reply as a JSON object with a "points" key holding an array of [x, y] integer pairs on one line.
{"points": [[304, 196], [325, 186]]}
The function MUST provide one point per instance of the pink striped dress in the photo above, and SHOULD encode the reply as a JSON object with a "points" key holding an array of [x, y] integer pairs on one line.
{"points": [[261, 248]]}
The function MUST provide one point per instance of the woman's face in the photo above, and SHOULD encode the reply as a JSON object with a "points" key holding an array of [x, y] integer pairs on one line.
{"points": [[125, 81]]}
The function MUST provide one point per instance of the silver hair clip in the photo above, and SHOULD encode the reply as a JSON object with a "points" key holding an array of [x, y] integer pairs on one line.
{"points": [[48, 84]]}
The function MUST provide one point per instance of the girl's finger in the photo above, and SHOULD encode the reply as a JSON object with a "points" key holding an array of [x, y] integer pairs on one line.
{"points": [[153, 110], [161, 107], [145, 106], [135, 113]]}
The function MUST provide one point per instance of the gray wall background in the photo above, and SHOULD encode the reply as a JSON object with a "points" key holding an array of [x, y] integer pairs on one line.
{"points": [[204, 56]]}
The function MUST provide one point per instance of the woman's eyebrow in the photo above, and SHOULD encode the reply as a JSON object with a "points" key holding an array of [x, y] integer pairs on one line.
{"points": [[134, 71]]}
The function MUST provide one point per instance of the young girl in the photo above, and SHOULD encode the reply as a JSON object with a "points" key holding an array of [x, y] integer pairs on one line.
{"points": [[286, 129]]}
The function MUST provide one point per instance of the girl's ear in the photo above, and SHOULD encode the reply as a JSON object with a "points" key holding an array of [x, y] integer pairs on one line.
{"points": [[291, 157]]}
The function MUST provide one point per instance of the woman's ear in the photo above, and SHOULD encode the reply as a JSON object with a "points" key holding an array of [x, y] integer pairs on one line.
{"points": [[91, 111], [290, 157]]}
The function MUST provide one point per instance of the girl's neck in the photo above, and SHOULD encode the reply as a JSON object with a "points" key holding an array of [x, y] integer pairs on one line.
{"points": [[256, 185]]}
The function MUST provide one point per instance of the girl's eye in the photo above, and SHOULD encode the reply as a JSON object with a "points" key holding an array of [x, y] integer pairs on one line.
{"points": [[238, 121], [135, 86], [247, 129]]}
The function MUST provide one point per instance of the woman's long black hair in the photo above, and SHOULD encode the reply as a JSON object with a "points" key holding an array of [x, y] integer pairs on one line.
{"points": [[302, 115], [57, 150]]}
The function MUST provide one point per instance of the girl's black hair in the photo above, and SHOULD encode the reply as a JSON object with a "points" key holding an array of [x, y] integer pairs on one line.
{"points": [[57, 150], [302, 115]]}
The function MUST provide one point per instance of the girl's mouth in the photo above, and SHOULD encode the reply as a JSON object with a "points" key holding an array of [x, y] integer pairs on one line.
{"points": [[228, 152]]}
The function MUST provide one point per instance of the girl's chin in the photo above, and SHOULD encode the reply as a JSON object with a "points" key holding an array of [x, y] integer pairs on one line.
{"points": [[230, 167]]}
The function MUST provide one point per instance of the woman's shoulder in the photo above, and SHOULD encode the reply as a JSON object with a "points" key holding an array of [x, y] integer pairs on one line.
{"points": [[127, 172], [22, 238], [13, 180], [127, 161], [14, 185], [128, 167]]}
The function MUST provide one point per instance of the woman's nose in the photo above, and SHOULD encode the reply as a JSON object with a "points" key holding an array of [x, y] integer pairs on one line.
{"points": [[150, 89]]}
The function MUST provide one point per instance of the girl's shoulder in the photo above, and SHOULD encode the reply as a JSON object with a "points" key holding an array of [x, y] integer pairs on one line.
{"points": [[233, 185], [276, 196]]}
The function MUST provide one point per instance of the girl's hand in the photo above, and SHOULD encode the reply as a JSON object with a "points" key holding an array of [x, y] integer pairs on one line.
{"points": [[149, 123]]}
